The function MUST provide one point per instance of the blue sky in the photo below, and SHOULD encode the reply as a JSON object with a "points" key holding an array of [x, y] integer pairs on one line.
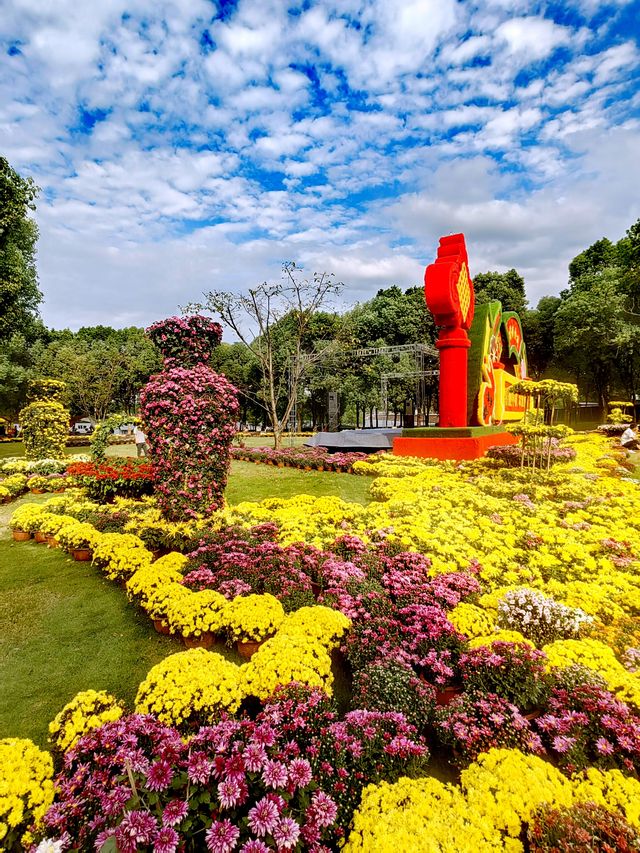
{"points": [[183, 145]]}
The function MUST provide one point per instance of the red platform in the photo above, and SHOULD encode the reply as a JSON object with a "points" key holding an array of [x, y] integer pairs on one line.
{"points": [[455, 447]]}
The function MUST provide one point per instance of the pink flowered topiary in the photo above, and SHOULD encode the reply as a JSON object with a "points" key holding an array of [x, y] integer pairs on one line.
{"points": [[190, 412]]}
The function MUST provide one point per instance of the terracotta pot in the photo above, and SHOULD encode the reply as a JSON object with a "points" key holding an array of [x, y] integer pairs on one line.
{"points": [[52, 542], [447, 694], [533, 715], [204, 641], [20, 535], [37, 491], [161, 626], [81, 555], [247, 648], [156, 554], [316, 589], [39, 536]]}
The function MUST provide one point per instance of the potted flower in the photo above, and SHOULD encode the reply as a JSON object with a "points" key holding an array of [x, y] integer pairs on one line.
{"points": [[198, 617], [38, 484], [252, 619], [25, 521], [79, 539], [475, 723], [514, 671]]}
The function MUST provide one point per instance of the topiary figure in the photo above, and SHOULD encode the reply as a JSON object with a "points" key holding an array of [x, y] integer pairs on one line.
{"points": [[190, 414], [45, 421]]}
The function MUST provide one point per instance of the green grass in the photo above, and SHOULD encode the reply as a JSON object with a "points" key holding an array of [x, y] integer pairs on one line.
{"points": [[249, 481], [65, 628]]}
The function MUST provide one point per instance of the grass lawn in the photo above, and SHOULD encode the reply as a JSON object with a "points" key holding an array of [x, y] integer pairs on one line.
{"points": [[64, 628]]}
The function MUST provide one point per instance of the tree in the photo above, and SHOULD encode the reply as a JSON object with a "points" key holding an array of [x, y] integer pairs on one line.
{"points": [[589, 326], [507, 287], [19, 293], [273, 321], [538, 327], [104, 368], [598, 256]]}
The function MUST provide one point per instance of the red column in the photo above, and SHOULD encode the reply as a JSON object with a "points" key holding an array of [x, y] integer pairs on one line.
{"points": [[453, 344]]}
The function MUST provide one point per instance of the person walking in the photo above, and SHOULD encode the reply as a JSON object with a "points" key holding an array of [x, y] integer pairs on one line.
{"points": [[141, 442], [629, 438]]}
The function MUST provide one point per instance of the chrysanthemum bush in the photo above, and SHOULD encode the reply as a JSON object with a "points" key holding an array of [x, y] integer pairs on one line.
{"points": [[475, 723], [26, 791], [87, 710], [189, 411], [45, 421], [288, 780], [583, 826], [190, 689]]}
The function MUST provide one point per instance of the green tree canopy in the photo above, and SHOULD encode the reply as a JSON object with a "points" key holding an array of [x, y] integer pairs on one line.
{"points": [[19, 293], [508, 287]]}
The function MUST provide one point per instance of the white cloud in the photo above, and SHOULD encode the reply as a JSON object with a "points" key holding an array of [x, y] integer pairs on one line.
{"points": [[532, 38], [168, 157]]}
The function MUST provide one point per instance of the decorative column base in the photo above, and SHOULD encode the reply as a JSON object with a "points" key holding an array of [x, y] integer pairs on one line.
{"points": [[456, 443]]}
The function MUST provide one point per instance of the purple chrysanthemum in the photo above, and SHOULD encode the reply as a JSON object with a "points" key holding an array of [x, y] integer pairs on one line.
{"points": [[174, 812], [222, 836], [264, 817]]}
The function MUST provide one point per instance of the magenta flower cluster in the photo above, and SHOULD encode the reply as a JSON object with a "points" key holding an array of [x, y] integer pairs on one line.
{"points": [[300, 457], [236, 785], [190, 416], [475, 723], [185, 340], [288, 780], [587, 726]]}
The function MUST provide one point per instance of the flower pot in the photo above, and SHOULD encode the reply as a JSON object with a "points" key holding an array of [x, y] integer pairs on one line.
{"points": [[533, 715], [316, 589], [204, 641], [52, 542], [161, 626], [156, 553], [447, 694], [81, 555], [21, 535], [37, 491], [39, 536], [247, 648]]}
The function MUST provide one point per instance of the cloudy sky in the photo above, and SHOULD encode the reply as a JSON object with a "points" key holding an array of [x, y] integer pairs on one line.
{"points": [[183, 145]]}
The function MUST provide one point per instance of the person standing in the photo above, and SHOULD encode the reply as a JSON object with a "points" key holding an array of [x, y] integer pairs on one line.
{"points": [[141, 442], [629, 438]]}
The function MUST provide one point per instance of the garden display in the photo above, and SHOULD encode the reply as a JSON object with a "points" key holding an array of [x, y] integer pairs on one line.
{"points": [[454, 666], [45, 421], [189, 412]]}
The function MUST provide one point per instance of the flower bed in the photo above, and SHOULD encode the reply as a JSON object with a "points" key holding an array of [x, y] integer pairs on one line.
{"points": [[306, 458], [118, 477], [519, 593]]}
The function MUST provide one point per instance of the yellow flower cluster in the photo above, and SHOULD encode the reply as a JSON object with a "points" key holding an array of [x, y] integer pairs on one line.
{"points": [[506, 787], [253, 617], [499, 792], [471, 620], [27, 517], [12, 486], [26, 790], [87, 710], [419, 816], [120, 555], [79, 534], [197, 613], [300, 651], [599, 657], [191, 686], [611, 789]]}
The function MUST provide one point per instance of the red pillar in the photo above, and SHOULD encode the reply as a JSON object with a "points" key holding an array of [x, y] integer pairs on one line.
{"points": [[453, 344]]}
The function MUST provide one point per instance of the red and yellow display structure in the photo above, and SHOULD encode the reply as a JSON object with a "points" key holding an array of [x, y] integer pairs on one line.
{"points": [[482, 354]]}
